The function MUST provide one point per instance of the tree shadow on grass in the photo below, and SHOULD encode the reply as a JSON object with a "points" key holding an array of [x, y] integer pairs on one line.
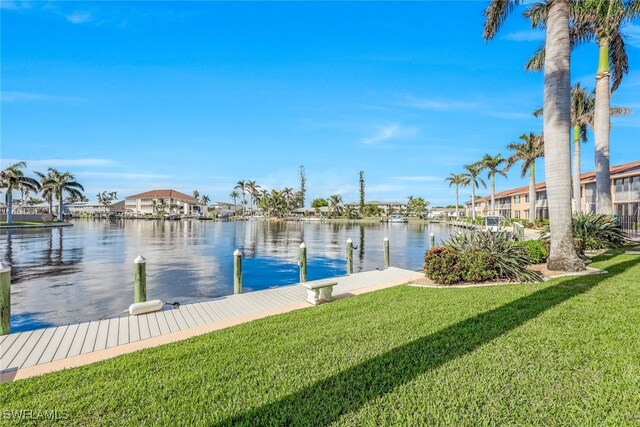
{"points": [[323, 402]]}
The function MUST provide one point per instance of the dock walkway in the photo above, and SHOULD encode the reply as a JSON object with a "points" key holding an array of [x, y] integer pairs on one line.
{"points": [[22, 350]]}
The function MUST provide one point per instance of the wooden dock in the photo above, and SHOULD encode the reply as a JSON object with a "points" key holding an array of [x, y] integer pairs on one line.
{"points": [[22, 350]]}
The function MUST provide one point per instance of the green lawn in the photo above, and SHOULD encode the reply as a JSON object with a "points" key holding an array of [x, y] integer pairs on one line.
{"points": [[565, 352]]}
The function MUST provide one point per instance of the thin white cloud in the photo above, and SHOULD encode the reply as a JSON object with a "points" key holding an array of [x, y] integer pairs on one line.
{"points": [[79, 17], [57, 163], [14, 5], [525, 36], [124, 176], [418, 178], [8, 96], [412, 101], [388, 132]]}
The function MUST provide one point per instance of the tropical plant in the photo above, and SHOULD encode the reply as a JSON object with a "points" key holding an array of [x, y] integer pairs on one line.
{"points": [[319, 203], [196, 194], [472, 177], [458, 180], [242, 187], [47, 192], [335, 204], [371, 210], [527, 151], [106, 198], [492, 165], [302, 193], [289, 198], [205, 200], [159, 206], [361, 176], [582, 108], [351, 212], [536, 249], [594, 231], [61, 183], [234, 196], [416, 205], [252, 188], [510, 259], [12, 178], [557, 121]]}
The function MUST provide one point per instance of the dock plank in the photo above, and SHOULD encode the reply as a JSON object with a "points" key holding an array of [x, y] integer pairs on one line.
{"points": [[123, 330], [112, 336], [8, 343], [102, 336], [154, 327], [171, 320], [66, 342], [42, 344], [52, 347], [134, 329], [24, 352], [191, 322], [209, 307], [203, 313], [163, 325], [195, 315], [143, 326], [182, 323], [79, 340]]}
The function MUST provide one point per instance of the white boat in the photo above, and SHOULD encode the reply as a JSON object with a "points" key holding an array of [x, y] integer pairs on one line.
{"points": [[398, 218]]}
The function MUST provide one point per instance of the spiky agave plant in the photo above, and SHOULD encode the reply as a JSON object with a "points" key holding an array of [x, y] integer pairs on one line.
{"points": [[510, 258]]}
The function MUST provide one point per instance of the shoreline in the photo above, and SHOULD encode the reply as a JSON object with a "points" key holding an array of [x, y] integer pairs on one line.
{"points": [[43, 225]]}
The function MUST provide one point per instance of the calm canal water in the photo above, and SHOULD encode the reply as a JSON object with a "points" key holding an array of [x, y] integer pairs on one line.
{"points": [[85, 272]]}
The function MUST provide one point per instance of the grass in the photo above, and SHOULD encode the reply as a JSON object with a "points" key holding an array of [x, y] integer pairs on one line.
{"points": [[564, 352]]}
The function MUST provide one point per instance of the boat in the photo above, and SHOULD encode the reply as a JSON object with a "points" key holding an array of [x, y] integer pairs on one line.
{"points": [[398, 218]]}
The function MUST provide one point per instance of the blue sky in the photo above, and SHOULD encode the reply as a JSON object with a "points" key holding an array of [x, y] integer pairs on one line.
{"points": [[137, 96]]}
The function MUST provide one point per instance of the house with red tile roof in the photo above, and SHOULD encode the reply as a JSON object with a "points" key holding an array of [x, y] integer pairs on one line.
{"points": [[514, 203]]}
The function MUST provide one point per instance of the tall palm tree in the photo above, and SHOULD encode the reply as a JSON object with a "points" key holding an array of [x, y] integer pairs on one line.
{"points": [[289, 197], [205, 200], [457, 180], [234, 196], [47, 191], [557, 123], [604, 20], [242, 186], [252, 189], [492, 165], [196, 194], [12, 178], [582, 109], [60, 183], [335, 201], [528, 151], [472, 177]]}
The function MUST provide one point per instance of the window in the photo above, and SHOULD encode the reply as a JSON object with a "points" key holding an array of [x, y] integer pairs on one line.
{"points": [[516, 214], [516, 200], [526, 198]]}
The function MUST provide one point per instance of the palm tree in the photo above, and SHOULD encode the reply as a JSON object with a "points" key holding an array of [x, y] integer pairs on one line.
{"points": [[205, 200], [527, 151], [252, 189], [457, 180], [59, 183], [47, 192], [557, 123], [492, 165], [582, 108], [242, 186], [196, 194], [604, 21], [105, 199], [471, 177], [335, 201], [13, 178], [234, 196]]}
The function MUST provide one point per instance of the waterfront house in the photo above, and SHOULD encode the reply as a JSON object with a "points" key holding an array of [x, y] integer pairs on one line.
{"points": [[163, 201], [514, 203], [386, 208]]}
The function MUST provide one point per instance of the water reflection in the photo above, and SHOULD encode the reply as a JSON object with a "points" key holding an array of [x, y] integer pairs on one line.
{"points": [[85, 272]]}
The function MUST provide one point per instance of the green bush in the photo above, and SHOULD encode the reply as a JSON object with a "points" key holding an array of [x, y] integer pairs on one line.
{"points": [[593, 231], [537, 250], [477, 266], [510, 259], [442, 265]]}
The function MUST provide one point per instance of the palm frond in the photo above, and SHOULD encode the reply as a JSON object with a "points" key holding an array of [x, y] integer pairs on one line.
{"points": [[536, 62], [618, 59], [495, 15]]}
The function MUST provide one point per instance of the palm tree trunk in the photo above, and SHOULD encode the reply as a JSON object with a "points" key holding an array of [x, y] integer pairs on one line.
{"points": [[473, 200], [50, 205], [602, 128], [457, 204], [577, 193], [9, 199], [557, 129], [493, 195], [532, 193], [60, 207]]}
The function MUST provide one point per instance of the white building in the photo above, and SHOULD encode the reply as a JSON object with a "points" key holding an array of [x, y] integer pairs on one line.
{"points": [[167, 201]]}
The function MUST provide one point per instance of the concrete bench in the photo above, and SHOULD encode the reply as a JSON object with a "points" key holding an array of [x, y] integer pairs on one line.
{"points": [[319, 291]]}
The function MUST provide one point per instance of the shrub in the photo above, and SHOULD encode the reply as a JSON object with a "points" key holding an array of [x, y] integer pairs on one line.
{"points": [[592, 231], [442, 265], [537, 250], [510, 259], [477, 266]]}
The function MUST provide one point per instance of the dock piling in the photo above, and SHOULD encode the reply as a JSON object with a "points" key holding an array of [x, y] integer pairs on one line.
{"points": [[349, 256], [140, 280], [5, 298], [303, 262], [432, 240], [237, 272], [386, 252]]}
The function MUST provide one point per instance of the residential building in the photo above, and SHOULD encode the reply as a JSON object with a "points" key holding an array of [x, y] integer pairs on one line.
{"points": [[386, 208], [159, 201], [514, 203]]}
